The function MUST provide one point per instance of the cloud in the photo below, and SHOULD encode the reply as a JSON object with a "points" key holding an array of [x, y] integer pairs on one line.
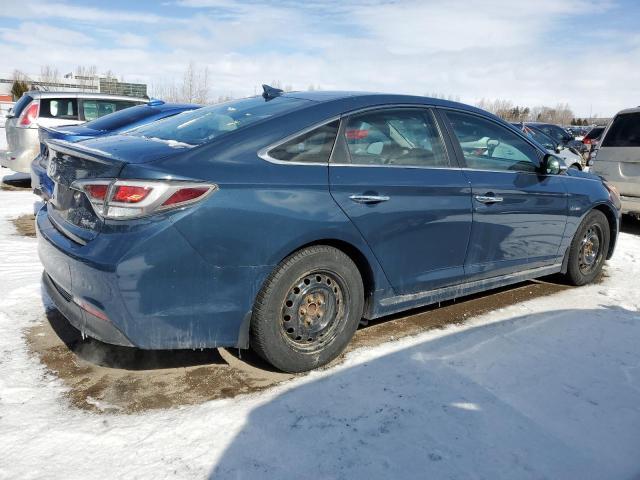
{"points": [[42, 35], [502, 49], [42, 9]]}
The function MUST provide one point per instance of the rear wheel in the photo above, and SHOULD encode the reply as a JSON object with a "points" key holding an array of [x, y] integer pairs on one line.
{"points": [[308, 309], [588, 249]]}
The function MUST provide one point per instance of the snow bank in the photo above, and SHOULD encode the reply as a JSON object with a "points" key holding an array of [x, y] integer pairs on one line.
{"points": [[547, 388]]}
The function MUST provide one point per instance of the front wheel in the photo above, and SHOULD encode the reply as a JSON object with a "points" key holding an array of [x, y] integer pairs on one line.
{"points": [[588, 249], [308, 309]]}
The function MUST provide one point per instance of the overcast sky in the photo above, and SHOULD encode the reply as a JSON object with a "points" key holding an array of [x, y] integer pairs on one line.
{"points": [[583, 52]]}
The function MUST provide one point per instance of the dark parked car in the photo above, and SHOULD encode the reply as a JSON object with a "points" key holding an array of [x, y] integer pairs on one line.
{"points": [[279, 222], [559, 134], [119, 121]]}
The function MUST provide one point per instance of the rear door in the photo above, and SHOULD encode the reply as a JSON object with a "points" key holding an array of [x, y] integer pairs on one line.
{"points": [[391, 173], [618, 159], [519, 215]]}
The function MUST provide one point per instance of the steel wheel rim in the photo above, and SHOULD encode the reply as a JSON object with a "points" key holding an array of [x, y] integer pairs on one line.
{"points": [[313, 310], [590, 249]]}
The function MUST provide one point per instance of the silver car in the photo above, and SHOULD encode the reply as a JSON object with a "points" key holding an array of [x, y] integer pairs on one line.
{"points": [[617, 158], [52, 109]]}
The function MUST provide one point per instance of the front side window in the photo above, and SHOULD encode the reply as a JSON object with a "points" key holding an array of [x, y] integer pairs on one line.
{"points": [[311, 147], [489, 146], [406, 137], [62, 108], [624, 131]]}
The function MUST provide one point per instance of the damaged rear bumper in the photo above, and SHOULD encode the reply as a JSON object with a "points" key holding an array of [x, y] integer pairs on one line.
{"points": [[148, 288]]}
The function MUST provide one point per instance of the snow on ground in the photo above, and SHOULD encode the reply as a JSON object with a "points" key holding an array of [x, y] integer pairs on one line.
{"points": [[549, 388]]}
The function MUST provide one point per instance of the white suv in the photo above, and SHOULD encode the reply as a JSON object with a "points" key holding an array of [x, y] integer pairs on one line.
{"points": [[617, 159], [51, 109]]}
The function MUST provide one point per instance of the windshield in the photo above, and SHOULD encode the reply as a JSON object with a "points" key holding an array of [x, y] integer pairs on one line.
{"points": [[209, 123], [121, 118]]}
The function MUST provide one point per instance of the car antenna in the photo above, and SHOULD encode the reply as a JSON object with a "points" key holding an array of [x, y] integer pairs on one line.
{"points": [[269, 93]]}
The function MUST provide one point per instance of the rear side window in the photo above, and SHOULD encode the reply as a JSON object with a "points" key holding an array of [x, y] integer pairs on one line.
{"points": [[92, 109], [311, 147], [624, 131], [122, 118], [406, 137], [20, 105], [62, 108]]}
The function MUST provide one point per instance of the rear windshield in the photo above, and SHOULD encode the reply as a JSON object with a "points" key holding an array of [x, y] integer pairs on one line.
{"points": [[20, 104], [62, 108], [209, 123], [121, 118], [624, 131]]}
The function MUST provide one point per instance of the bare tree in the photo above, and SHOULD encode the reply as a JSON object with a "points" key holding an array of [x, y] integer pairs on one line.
{"points": [[193, 88], [49, 75], [86, 76], [561, 114], [202, 84]]}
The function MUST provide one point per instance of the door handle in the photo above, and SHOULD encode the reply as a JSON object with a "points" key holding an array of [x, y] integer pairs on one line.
{"points": [[369, 198], [488, 199]]}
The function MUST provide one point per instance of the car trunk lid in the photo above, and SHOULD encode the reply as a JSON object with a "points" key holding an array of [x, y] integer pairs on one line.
{"points": [[101, 158]]}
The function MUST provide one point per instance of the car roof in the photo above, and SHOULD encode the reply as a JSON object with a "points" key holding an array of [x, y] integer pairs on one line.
{"points": [[96, 95], [629, 110], [365, 99]]}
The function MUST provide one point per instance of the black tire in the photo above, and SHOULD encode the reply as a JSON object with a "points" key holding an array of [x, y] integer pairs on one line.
{"points": [[308, 309], [588, 249]]}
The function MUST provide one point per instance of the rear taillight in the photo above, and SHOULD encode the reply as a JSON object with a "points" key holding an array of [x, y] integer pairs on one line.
{"points": [[29, 115], [125, 199], [130, 193], [586, 141]]}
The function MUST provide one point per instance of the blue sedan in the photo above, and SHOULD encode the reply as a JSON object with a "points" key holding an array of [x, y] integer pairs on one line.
{"points": [[116, 122], [278, 222]]}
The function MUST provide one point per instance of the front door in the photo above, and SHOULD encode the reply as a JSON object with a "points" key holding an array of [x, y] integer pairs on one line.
{"points": [[519, 214], [391, 174]]}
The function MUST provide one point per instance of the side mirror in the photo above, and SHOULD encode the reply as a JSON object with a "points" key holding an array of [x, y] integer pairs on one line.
{"points": [[559, 148], [550, 165]]}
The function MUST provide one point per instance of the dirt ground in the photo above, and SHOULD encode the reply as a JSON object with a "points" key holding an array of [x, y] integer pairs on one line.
{"points": [[107, 378]]}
